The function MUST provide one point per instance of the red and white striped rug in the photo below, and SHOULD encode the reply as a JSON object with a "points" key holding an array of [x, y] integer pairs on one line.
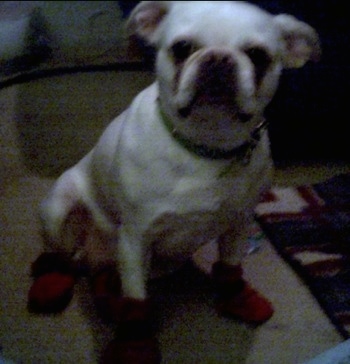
{"points": [[309, 226]]}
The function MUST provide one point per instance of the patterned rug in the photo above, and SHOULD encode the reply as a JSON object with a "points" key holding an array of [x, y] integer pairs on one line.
{"points": [[310, 228]]}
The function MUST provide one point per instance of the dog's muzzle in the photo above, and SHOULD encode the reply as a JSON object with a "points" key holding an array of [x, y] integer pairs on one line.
{"points": [[218, 78]]}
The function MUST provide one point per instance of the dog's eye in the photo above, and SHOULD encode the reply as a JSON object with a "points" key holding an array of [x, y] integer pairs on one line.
{"points": [[260, 59], [181, 50], [258, 56]]}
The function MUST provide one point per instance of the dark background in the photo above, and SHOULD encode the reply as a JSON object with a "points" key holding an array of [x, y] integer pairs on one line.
{"points": [[309, 114]]}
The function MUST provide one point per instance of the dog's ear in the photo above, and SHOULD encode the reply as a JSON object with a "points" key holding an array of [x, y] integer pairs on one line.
{"points": [[145, 19], [301, 41]]}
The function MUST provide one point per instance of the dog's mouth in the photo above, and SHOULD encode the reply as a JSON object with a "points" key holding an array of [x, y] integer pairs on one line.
{"points": [[221, 102], [213, 81], [201, 100]]}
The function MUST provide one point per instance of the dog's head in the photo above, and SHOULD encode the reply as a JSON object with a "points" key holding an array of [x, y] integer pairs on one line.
{"points": [[218, 63]]}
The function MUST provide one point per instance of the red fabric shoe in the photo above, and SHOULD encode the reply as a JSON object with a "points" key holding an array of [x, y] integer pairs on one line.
{"points": [[106, 291], [248, 306], [54, 278], [51, 293], [135, 342], [236, 298]]}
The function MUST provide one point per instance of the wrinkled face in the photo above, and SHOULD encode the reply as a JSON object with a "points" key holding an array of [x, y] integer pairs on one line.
{"points": [[220, 56], [218, 63]]}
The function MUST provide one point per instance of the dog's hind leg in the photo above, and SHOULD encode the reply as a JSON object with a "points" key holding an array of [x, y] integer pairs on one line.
{"points": [[65, 223], [64, 214]]}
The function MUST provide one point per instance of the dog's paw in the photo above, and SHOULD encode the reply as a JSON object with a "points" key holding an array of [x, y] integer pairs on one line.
{"points": [[135, 340], [54, 278], [236, 298], [51, 293], [106, 292], [248, 306]]}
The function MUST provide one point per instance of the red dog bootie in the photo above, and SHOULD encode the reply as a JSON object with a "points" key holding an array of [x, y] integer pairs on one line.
{"points": [[135, 342], [106, 292], [236, 298], [53, 286]]}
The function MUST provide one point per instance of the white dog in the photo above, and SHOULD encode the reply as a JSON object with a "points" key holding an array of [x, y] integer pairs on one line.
{"points": [[187, 161]]}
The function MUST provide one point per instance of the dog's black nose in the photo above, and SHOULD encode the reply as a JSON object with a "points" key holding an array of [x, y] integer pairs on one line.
{"points": [[217, 75], [217, 67]]}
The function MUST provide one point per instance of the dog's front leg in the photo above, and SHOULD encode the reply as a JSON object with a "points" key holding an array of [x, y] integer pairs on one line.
{"points": [[135, 340], [133, 260], [235, 297], [232, 243]]}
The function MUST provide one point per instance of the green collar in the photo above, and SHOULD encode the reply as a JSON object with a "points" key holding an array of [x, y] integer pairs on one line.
{"points": [[241, 153]]}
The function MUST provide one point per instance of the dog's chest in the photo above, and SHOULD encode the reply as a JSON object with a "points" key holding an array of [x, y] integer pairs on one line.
{"points": [[182, 188], [157, 175], [179, 223], [180, 212]]}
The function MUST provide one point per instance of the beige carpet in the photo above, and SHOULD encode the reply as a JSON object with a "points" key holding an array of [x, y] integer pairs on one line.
{"points": [[190, 332]]}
